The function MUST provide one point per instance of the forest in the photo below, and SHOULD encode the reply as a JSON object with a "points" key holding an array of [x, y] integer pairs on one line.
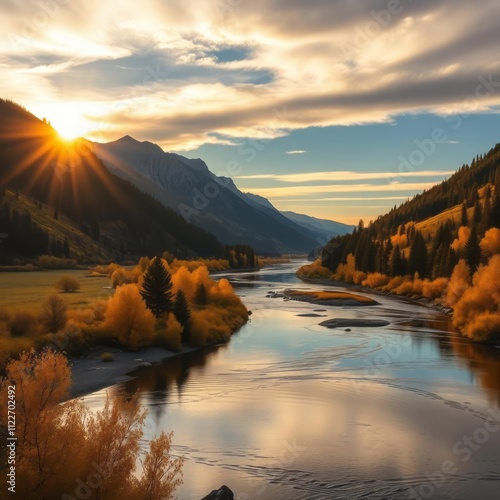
{"points": [[443, 244]]}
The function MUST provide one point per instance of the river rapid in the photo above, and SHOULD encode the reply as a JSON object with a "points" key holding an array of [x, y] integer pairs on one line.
{"points": [[293, 410]]}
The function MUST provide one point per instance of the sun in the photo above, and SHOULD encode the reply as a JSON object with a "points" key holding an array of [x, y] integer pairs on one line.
{"points": [[69, 118], [70, 127]]}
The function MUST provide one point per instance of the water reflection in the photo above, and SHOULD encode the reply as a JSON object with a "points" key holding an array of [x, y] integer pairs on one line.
{"points": [[160, 382], [483, 362], [286, 384]]}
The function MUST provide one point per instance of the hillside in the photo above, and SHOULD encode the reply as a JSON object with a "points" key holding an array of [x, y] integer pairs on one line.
{"points": [[212, 202], [443, 245], [68, 180]]}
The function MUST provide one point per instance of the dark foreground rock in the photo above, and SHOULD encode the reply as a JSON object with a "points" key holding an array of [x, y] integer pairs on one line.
{"points": [[223, 493]]}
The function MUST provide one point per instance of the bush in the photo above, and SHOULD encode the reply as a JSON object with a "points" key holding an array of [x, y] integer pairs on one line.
{"points": [[67, 283], [23, 324], [376, 280]]}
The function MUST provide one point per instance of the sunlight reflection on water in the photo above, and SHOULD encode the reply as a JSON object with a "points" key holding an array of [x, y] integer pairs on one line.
{"points": [[291, 410]]}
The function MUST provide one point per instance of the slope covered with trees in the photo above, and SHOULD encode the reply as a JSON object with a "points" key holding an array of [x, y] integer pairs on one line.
{"points": [[442, 244], [71, 181]]}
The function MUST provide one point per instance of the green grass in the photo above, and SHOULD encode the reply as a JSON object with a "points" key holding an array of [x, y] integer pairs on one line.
{"points": [[27, 291]]}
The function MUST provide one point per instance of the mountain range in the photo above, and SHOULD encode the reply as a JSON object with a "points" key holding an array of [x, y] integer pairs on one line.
{"points": [[214, 202], [128, 198]]}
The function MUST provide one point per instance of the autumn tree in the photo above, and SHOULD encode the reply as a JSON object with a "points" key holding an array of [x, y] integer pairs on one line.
{"points": [[54, 313], [66, 451], [129, 319], [183, 314], [156, 288]]}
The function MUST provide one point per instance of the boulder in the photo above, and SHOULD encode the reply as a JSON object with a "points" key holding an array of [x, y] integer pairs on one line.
{"points": [[223, 493]]}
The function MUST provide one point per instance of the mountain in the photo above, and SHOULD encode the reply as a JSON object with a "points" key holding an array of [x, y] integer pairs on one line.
{"points": [[212, 202], [69, 181]]}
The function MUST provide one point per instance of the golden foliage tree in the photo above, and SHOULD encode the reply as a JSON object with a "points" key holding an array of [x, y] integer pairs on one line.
{"points": [[477, 311], [459, 282], [128, 318], [64, 451]]}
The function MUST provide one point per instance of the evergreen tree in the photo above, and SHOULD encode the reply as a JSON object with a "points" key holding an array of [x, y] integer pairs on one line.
{"points": [[183, 314], [465, 218], [418, 256], [494, 219], [66, 250], [156, 288], [397, 266], [477, 212], [200, 295], [483, 225], [472, 251]]}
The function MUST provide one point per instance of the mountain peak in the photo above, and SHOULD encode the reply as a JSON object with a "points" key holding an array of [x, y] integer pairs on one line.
{"points": [[127, 138]]}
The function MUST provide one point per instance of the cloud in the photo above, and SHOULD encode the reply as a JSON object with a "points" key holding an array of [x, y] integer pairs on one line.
{"points": [[184, 74], [307, 191], [345, 176], [296, 152]]}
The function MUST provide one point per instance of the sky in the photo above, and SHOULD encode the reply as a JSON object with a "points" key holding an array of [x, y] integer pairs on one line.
{"points": [[333, 108]]}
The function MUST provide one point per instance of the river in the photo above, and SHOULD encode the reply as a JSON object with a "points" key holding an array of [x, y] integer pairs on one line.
{"points": [[293, 410]]}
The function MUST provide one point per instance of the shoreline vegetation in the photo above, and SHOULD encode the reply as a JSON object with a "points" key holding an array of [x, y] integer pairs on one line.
{"points": [[470, 300], [155, 311], [207, 312]]}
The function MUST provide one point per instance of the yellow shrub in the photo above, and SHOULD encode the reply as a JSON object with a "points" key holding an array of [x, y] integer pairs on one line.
{"points": [[490, 244], [375, 280], [129, 319]]}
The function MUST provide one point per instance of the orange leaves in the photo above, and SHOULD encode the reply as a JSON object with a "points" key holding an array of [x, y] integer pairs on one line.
{"points": [[463, 235], [128, 318], [64, 450], [476, 311], [161, 473], [490, 244]]}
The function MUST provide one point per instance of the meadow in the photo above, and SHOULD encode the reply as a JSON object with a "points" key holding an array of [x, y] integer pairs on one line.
{"points": [[28, 290]]}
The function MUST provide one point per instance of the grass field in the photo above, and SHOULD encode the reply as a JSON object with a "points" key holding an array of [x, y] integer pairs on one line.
{"points": [[27, 291]]}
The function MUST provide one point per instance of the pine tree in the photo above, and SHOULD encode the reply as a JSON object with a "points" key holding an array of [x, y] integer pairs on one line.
{"points": [[66, 249], [200, 295], [183, 314], [472, 251], [465, 218], [494, 219], [156, 288], [418, 256], [477, 212], [397, 265]]}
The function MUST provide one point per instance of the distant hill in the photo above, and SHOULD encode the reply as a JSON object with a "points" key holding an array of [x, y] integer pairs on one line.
{"points": [[68, 180], [214, 203], [418, 235]]}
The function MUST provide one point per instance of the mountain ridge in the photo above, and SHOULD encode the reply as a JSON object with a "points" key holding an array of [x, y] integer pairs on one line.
{"points": [[189, 187]]}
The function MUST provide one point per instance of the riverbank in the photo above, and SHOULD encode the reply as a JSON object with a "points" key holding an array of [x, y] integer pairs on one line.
{"points": [[90, 373]]}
